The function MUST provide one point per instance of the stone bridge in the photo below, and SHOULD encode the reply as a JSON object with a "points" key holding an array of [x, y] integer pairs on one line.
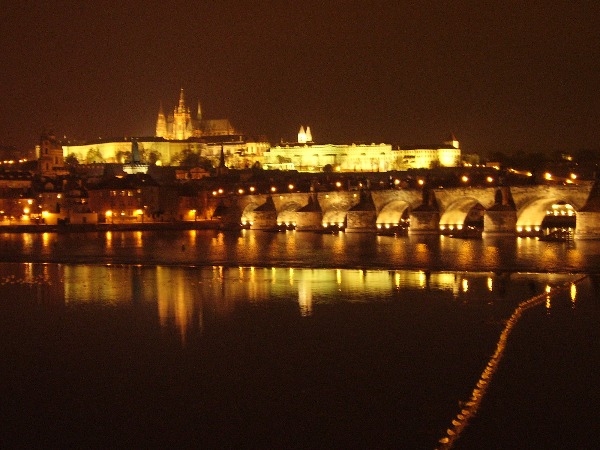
{"points": [[504, 210]]}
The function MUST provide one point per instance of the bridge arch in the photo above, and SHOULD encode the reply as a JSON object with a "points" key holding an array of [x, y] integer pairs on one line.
{"points": [[531, 216], [393, 213], [247, 213], [462, 211]]}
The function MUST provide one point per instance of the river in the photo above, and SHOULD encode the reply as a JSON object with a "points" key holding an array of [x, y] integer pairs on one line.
{"points": [[259, 339]]}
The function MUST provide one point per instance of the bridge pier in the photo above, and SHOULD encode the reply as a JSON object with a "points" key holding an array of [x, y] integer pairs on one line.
{"points": [[362, 217], [265, 216], [588, 217], [361, 222], [588, 225], [424, 222], [310, 216], [500, 221]]}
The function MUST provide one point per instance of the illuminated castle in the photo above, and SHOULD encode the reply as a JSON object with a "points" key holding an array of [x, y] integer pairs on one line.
{"points": [[180, 125], [308, 156]]}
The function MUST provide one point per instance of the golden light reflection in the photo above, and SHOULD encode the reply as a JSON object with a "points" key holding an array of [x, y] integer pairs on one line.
{"points": [[421, 254], [573, 294], [175, 301], [422, 279], [109, 239], [291, 276], [339, 246], [139, 242], [490, 284], [27, 239], [338, 276], [305, 300], [465, 285]]}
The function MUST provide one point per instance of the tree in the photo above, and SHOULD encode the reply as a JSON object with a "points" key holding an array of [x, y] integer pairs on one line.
{"points": [[189, 158], [122, 156], [153, 157], [94, 156], [71, 160]]}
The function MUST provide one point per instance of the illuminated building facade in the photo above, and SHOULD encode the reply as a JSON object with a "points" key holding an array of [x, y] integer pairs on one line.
{"points": [[176, 134], [240, 152], [306, 155]]}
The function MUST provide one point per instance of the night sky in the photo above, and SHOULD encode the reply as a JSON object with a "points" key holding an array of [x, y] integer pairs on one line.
{"points": [[503, 76]]}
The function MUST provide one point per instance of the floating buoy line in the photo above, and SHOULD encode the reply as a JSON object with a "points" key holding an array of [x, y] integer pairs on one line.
{"points": [[470, 407]]}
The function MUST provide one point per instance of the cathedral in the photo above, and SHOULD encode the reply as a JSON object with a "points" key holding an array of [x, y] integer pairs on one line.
{"points": [[180, 125]]}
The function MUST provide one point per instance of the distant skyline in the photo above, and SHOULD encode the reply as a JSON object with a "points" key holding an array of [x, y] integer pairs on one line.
{"points": [[507, 77]]}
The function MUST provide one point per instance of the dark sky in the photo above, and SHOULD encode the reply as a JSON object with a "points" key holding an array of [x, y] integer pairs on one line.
{"points": [[501, 75]]}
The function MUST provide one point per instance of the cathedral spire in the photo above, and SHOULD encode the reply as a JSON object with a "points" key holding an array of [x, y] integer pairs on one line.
{"points": [[181, 107]]}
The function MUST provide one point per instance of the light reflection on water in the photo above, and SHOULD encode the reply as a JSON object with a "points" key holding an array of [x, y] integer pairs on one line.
{"points": [[304, 249], [181, 294], [288, 347]]}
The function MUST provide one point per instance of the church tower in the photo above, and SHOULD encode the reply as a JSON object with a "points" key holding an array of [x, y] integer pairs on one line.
{"points": [[182, 121], [50, 155], [452, 141], [161, 123], [302, 135], [308, 135]]}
